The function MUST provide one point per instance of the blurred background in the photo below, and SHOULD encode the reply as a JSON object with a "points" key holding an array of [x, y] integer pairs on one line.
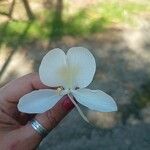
{"points": [[118, 34]]}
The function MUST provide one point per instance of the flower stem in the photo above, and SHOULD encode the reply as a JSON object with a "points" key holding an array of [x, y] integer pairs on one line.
{"points": [[78, 108]]}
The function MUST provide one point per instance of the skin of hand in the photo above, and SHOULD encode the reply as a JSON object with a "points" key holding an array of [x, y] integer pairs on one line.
{"points": [[16, 132]]}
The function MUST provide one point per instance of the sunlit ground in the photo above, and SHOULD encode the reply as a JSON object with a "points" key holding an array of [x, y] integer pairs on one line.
{"points": [[118, 34]]}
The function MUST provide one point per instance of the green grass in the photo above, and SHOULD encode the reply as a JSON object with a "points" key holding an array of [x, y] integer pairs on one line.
{"points": [[122, 12], [90, 20]]}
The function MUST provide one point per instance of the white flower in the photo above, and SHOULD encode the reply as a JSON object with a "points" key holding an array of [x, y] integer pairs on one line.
{"points": [[71, 72]]}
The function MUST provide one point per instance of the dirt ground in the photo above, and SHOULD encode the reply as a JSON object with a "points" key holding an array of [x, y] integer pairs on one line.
{"points": [[123, 66]]}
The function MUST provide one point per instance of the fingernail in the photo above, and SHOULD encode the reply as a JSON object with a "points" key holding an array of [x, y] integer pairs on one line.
{"points": [[67, 104]]}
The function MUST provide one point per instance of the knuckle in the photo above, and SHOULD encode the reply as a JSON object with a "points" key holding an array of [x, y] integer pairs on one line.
{"points": [[52, 118], [13, 145], [32, 74]]}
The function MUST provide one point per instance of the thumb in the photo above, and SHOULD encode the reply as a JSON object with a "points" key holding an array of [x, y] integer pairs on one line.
{"points": [[28, 138]]}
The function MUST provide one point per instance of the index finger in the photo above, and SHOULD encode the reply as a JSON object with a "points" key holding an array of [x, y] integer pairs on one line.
{"points": [[15, 89]]}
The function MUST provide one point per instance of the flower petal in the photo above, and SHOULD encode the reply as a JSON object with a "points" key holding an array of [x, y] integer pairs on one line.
{"points": [[38, 101], [50, 66], [83, 64], [95, 100]]}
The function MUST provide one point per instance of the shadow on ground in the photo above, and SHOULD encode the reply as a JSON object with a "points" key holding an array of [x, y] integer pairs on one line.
{"points": [[122, 73]]}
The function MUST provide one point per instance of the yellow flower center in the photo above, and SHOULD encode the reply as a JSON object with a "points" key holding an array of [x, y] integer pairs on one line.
{"points": [[69, 74]]}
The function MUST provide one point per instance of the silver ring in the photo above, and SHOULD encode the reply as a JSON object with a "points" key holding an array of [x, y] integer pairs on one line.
{"points": [[39, 128]]}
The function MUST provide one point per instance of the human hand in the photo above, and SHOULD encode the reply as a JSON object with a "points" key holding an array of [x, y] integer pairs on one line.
{"points": [[16, 133]]}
